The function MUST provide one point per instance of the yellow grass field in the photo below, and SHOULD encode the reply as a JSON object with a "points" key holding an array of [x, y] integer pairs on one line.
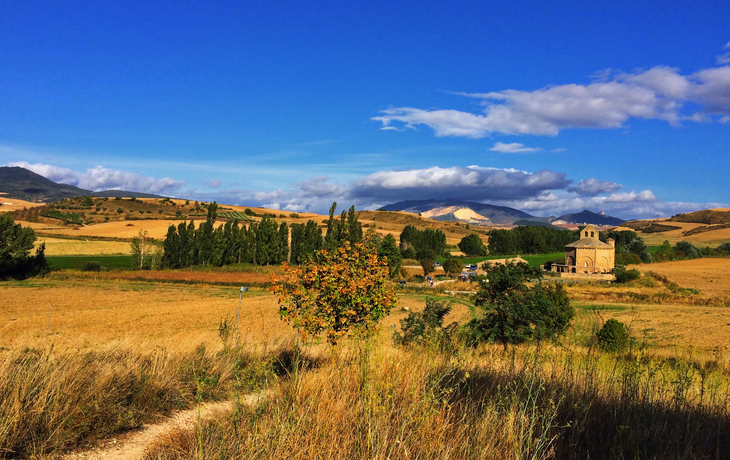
{"points": [[123, 229], [66, 247], [13, 204], [712, 239], [85, 313], [709, 275]]}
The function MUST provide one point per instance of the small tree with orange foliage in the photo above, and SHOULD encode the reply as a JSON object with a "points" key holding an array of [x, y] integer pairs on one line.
{"points": [[336, 293]]}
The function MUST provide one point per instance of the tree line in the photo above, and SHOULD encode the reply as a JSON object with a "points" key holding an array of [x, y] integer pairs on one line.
{"points": [[265, 242]]}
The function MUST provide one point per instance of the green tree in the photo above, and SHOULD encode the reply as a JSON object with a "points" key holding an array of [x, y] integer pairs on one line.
{"points": [[472, 246], [388, 249], [452, 265], [337, 293], [16, 243], [428, 266], [518, 307]]}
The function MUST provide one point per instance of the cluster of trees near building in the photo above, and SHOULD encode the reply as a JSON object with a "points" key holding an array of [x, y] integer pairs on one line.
{"points": [[265, 242], [630, 248]]}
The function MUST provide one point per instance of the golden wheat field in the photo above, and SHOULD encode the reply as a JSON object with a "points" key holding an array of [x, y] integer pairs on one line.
{"points": [[709, 275], [14, 204], [87, 312], [67, 247]]}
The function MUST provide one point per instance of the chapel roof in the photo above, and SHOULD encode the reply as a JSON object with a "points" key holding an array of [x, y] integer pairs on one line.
{"points": [[588, 243]]}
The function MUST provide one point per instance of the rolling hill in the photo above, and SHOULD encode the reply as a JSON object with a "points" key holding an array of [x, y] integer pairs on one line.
{"points": [[23, 184]]}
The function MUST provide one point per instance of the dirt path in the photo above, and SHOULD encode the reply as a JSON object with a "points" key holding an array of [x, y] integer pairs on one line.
{"points": [[131, 446]]}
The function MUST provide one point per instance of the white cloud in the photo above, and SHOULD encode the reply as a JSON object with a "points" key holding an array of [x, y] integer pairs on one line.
{"points": [[470, 183], [609, 102], [592, 187], [100, 178], [514, 147], [558, 150]]}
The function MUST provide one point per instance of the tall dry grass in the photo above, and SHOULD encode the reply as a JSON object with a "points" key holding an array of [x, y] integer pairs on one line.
{"points": [[54, 399], [523, 403]]}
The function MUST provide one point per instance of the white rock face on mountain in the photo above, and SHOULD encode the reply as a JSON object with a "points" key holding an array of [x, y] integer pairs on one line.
{"points": [[457, 213]]}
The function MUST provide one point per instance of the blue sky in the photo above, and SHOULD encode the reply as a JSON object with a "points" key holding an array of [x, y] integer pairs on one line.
{"points": [[548, 107]]}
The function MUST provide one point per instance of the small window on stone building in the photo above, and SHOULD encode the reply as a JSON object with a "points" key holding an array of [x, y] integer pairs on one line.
{"points": [[591, 234]]}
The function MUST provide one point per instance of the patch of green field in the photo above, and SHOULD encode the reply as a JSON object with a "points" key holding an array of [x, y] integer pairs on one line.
{"points": [[77, 262]]}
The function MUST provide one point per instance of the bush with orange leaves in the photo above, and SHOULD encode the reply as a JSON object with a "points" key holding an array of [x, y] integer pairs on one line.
{"points": [[337, 292]]}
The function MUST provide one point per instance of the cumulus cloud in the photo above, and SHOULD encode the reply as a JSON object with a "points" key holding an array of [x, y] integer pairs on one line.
{"points": [[100, 178], [540, 193], [592, 187], [470, 183], [514, 147], [612, 99]]}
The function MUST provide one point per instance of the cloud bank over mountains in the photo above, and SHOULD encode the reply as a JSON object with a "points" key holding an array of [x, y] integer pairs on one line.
{"points": [[610, 101], [543, 192], [100, 178]]}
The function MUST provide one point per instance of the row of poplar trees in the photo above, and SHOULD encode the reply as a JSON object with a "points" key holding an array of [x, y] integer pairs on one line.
{"points": [[261, 243]]}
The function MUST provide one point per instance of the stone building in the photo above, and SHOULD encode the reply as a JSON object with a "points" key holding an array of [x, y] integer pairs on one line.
{"points": [[588, 257]]}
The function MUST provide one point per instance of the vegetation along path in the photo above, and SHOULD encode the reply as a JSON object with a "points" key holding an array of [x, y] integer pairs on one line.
{"points": [[132, 446]]}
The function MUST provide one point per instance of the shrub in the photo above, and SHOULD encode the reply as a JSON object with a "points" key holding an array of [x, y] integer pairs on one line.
{"points": [[628, 258], [91, 266], [624, 276], [120, 210], [426, 326], [686, 250], [724, 247], [613, 336]]}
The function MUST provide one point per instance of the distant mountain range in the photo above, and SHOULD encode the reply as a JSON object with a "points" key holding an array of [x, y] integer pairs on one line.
{"points": [[23, 184], [588, 217], [497, 215], [488, 214]]}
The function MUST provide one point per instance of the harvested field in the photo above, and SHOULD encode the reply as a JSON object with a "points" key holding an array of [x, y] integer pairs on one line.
{"points": [[65, 247], [182, 276], [123, 229], [13, 204], [712, 238], [667, 325], [88, 311], [709, 275], [86, 314]]}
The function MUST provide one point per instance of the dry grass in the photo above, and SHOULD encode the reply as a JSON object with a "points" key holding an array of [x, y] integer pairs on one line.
{"points": [[123, 229], [93, 312], [66, 247], [383, 403], [13, 204], [709, 275], [712, 238], [118, 352], [666, 326]]}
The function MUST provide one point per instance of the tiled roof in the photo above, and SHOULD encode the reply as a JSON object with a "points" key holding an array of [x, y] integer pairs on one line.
{"points": [[588, 243]]}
